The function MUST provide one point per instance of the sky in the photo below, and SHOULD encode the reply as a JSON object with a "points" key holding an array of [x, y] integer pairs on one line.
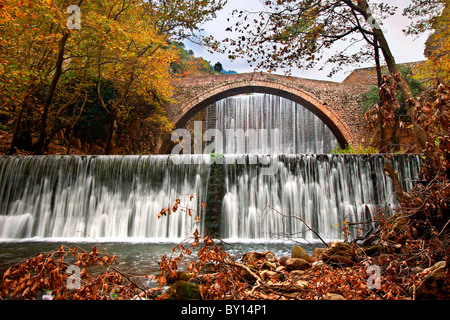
{"points": [[404, 48]]}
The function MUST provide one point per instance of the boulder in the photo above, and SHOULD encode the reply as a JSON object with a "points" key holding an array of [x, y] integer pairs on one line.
{"points": [[171, 279], [182, 290], [297, 264], [257, 257], [299, 252], [283, 260], [270, 257], [250, 257], [333, 296], [433, 284], [339, 254]]}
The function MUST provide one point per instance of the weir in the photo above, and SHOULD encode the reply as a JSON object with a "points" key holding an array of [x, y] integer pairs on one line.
{"points": [[106, 197], [119, 197], [321, 190], [267, 186]]}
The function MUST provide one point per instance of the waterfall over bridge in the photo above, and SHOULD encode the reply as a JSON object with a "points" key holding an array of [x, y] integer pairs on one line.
{"points": [[338, 105]]}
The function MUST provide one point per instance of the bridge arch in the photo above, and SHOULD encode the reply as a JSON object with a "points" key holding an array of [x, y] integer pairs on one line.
{"points": [[214, 91]]}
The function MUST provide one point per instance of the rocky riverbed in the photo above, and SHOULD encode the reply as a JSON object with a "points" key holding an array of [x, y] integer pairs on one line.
{"points": [[341, 271]]}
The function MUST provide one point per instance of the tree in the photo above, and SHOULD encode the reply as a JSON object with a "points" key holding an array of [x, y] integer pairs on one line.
{"points": [[297, 33], [435, 15], [128, 51], [424, 14], [187, 65], [180, 19], [218, 67], [34, 39], [382, 112], [48, 71]]}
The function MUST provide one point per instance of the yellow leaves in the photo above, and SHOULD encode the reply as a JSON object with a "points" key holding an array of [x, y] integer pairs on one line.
{"points": [[437, 65]]}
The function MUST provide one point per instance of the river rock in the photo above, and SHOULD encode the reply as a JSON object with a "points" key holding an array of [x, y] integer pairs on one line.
{"points": [[290, 286], [254, 257], [297, 264], [339, 254], [280, 269], [250, 257], [433, 284], [283, 260], [270, 257], [268, 265], [267, 274], [333, 296], [299, 252], [171, 279], [182, 290], [318, 264]]}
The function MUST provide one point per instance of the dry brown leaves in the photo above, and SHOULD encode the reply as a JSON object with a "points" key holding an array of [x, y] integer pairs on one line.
{"points": [[211, 264], [48, 272]]}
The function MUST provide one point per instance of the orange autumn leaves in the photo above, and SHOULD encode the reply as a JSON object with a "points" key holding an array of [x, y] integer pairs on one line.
{"points": [[47, 272]]}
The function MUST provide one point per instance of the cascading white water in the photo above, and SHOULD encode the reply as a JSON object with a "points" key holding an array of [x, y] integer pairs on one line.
{"points": [[323, 190], [113, 197], [281, 126], [119, 197]]}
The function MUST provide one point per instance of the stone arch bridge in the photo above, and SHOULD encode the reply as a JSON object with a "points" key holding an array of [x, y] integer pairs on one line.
{"points": [[336, 104]]}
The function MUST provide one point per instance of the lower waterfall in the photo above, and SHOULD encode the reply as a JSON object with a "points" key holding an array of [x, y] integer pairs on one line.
{"points": [[119, 197], [112, 197], [321, 190]]}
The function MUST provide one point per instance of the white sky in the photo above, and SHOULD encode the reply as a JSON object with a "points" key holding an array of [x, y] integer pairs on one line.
{"points": [[404, 48]]}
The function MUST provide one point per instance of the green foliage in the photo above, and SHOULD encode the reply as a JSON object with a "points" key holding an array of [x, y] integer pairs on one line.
{"points": [[218, 67], [351, 150], [415, 85], [94, 121], [372, 98], [229, 72], [216, 155], [188, 65]]}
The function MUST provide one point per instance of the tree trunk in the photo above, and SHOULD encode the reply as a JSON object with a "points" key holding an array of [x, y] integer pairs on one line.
{"points": [[39, 147], [383, 143], [16, 129], [112, 130], [24, 109], [393, 69]]}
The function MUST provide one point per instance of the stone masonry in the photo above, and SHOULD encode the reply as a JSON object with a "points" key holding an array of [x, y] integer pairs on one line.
{"points": [[337, 104]]}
